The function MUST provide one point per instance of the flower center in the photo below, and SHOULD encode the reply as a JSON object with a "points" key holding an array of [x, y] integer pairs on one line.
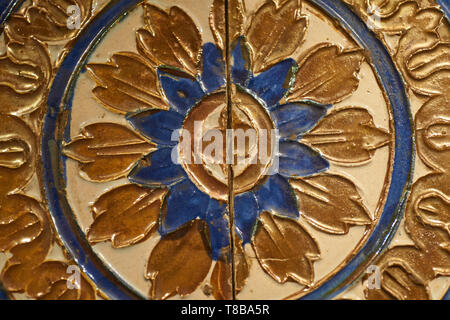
{"points": [[208, 146]]}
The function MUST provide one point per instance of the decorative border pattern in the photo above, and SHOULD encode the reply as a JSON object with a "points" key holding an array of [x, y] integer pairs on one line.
{"points": [[422, 54]]}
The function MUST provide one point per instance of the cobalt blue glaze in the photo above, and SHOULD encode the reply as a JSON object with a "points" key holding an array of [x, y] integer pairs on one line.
{"points": [[6, 8], [445, 5]]}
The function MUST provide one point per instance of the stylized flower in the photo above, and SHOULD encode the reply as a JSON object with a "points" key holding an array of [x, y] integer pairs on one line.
{"points": [[175, 82], [274, 194]]}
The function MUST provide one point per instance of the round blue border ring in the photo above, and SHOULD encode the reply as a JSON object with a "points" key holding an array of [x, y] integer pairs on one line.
{"points": [[51, 149], [389, 77], [404, 152]]}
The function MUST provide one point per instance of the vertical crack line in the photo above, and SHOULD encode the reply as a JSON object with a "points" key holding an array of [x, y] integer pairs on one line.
{"points": [[230, 144]]}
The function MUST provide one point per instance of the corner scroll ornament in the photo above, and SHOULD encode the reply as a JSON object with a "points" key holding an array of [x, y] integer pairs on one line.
{"points": [[26, 73], [422, 54]]}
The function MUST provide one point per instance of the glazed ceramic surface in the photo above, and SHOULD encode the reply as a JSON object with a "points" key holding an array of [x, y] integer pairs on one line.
{"points": [[119, 172]]}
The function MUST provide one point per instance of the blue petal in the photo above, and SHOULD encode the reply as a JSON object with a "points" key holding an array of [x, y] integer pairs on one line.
{"points": [[184, 203], [158, 126], [276, 195], [298, 160], [272, 85], [293, 119], [218, 227], [245, 213], [157, 169], [240, 63], [182, 93], [213, 76]]}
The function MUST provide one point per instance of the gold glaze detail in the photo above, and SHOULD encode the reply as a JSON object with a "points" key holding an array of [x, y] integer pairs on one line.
{"points": [[127, 84], [107, 151], [25, 77], [285, 249], [347, 136], [423, 57], [171, 268], [126, 215], [120, 91], [330, 203], [170, 38]]}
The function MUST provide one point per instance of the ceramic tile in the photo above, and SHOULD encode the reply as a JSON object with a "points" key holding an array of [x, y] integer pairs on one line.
{"points": [[224, 149]]}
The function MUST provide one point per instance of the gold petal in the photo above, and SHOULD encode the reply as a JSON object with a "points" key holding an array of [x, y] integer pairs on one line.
{"points": [[222, 274], [275, 33], [17, 154], [27, 235], [347, 135], [327, 74], [179, 262], [107, 151], [433, 209], [423, 61], [330, 203], [399, 284], [52, 284], [47, 20], [394, 18], [170, 39], [126, 215], [25, 72], [285, 250], [128, 83], [217, 21]]}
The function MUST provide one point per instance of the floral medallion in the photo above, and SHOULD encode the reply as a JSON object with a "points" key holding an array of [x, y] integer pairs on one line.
{"points": [[224, 149]]}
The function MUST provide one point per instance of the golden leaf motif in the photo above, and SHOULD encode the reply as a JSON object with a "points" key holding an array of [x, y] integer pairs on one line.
{"points": [[128, 83], [433, 133], [285, 250], [399, 284], [126, 215], [424, 62], [107, 151], [48, 20], [178, 254], [433, 209], [52, 284], [403, 16], [383, 7], [348, 136], [330, 203], [426, 222], [217, 21], [25, 72], [170, 39], [17, 154], [221, 276], [275, 33], [427, 215], [327, 75], [27, 235]]}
